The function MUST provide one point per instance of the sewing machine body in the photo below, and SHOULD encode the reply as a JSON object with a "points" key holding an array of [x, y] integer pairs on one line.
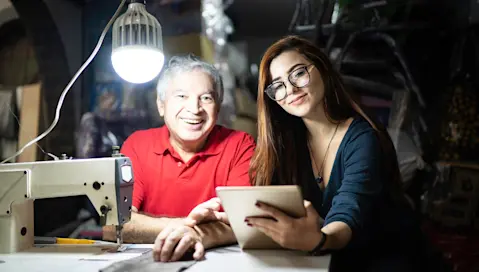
{"points": [[107, 182]]}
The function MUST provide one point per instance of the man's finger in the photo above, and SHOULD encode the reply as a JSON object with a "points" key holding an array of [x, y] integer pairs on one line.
{"points": [[159, 241], [165, 233], [202, 214], [277, 214], [185, 243], [190, 222], [221, 216], [213, 204], [169, 245], [199, 251]]}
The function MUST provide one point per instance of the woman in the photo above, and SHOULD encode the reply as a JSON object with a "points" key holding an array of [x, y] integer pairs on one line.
{"points": [[311, 133]]}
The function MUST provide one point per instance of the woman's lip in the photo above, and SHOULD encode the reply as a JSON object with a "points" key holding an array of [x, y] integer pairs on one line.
{"points": [[297, 98]]}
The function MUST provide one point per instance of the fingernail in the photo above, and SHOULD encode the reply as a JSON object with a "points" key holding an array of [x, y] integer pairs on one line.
{"points": [[246, 220], [257, 204], [249, 225]]}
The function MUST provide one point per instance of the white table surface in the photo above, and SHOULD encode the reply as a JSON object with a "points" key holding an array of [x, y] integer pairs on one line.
{"points": [[73, 258]]}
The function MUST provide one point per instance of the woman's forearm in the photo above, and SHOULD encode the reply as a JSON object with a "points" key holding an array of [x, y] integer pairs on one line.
{"points": [[339, 234]]}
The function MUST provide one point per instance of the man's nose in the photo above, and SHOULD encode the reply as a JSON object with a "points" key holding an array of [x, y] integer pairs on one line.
{"points": [[193, 105]]}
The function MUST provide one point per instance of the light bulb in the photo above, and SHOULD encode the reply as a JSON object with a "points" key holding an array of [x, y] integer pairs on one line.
{"points": [[136, 63], [137, 45]]}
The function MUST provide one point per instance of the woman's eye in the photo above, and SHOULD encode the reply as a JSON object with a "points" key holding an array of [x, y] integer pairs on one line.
{"points": [[299, 73], [277, 87]]}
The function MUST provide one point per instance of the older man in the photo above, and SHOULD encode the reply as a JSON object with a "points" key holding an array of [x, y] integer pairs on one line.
{"points": [[178, 166]]}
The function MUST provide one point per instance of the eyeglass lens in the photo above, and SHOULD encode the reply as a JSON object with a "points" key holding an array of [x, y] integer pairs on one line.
{"points": [[298, 78]]}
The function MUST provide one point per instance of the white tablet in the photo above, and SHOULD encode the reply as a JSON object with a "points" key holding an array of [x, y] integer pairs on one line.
{"points": [[239, 203]]}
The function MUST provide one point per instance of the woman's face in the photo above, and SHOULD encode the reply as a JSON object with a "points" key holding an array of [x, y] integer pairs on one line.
{"points": [[297, 85]]}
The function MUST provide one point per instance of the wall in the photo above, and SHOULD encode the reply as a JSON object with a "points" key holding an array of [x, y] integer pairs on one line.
{"points": [[68, 19]]}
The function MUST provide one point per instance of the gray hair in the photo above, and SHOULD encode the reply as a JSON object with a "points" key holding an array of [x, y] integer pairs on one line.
{"points": [[178, 65]]}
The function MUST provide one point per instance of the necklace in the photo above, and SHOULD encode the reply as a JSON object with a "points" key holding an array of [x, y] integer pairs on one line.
{"points": [[319, 179]]}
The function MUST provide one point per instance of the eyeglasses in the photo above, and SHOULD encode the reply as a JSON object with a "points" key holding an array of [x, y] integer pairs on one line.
{"points": [[298, 78]]}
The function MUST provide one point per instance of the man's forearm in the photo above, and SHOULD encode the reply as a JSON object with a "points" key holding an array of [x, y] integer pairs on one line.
{"points": [[141, 229], [215, 234]]}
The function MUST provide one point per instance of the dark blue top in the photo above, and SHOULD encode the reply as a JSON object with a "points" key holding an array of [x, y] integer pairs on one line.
{"points": [[358, 193]]}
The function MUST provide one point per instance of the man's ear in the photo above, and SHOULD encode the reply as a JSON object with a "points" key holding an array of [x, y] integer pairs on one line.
{"points": [[161, 107]]}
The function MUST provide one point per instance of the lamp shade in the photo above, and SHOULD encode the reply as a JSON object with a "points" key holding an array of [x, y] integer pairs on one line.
{"points": [[137, 45]]}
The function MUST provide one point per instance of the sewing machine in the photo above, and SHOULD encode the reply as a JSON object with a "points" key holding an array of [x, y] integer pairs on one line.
{"points": [[108, 183]]}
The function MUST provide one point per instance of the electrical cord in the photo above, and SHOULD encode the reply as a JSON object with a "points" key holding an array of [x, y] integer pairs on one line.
{"points": [[68, 87], [43, 151]]}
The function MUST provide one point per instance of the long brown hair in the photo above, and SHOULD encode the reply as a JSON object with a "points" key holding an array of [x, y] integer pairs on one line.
{"points": [[281, 147]]}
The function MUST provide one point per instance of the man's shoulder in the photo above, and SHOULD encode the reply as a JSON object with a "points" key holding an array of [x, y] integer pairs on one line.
{"points": [[144, 139], [229, 136], [145, 135]]}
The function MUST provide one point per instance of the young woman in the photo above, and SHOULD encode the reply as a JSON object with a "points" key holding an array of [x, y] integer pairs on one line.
{"points": [[311, 133]]}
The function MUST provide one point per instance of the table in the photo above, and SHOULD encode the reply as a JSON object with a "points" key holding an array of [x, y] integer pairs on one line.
{"points": [[73, 258]]}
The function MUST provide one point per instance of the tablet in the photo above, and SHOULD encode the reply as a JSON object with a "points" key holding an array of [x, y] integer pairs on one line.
{"points": [[239, 203]]}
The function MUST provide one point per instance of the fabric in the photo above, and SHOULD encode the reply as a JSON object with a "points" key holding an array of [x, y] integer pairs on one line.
{"points": [[165, 185], [146, 263], [357, 194]]}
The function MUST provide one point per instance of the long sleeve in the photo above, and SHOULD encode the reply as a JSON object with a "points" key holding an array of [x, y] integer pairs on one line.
{"points": [[361, 184]]}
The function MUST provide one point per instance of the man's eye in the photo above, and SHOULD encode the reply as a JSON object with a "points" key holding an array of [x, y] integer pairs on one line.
{"points": [[207, 98], [181, 96]]}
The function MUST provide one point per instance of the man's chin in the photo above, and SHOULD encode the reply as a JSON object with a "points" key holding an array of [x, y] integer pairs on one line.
{"points": [[192, 136]]}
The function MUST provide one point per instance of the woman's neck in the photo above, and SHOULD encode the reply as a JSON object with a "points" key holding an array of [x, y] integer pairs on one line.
{"points": [[318, 124]]}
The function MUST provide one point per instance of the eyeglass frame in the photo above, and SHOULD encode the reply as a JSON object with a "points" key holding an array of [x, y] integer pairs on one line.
{"points": [[289, 80]]}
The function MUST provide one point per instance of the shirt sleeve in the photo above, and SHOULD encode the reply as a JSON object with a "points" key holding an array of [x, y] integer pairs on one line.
{"points": [[238, 175], [361, 184], [128, 149]]}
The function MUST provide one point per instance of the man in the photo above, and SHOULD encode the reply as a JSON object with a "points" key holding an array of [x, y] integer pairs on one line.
{"points": [[178, 166]]}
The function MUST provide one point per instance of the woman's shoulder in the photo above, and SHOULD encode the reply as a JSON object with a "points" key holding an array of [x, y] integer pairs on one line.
{"points": [[361, 139], [360, 130]]}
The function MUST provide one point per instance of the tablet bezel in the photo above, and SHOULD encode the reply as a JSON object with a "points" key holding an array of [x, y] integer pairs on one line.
{"points": [[239, 202]]}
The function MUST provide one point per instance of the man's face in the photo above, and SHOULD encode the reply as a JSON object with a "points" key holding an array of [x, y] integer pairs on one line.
{"points": [[190, 109]]}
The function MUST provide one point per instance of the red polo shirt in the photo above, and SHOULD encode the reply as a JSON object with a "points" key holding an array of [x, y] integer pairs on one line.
{"points": [[165, 185]]}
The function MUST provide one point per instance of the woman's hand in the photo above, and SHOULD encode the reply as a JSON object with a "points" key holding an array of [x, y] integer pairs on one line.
{"points": [[294, 233]]}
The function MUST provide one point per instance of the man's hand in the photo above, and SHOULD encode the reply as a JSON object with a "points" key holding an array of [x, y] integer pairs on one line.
{"points": [[174, 241], [207, 211]]}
